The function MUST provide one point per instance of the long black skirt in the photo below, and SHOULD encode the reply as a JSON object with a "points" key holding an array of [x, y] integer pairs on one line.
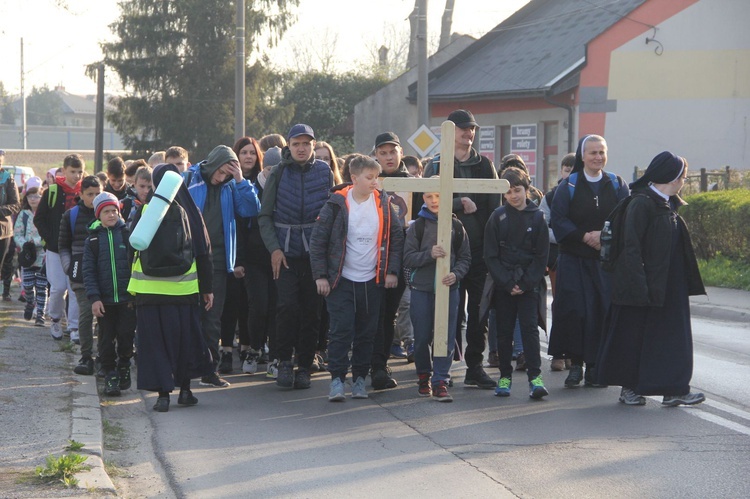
{"points": [[582, 297], [650, 349], [171, 348]]}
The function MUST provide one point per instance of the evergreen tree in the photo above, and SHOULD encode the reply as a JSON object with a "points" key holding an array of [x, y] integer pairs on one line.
{"points": [[44, 107], [176, 62]]}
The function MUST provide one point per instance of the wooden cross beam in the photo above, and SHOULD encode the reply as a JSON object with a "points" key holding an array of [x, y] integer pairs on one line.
{"points": [[446, 185]]}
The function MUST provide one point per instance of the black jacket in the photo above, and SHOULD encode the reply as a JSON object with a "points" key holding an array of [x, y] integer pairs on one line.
{"points": [[477, 166], [9, 204], [71, 239], [640, 275], [516, 244], [106, 263]]}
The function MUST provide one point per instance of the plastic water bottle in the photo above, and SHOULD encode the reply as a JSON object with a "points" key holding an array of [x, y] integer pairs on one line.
{"points": [[606, 242]]}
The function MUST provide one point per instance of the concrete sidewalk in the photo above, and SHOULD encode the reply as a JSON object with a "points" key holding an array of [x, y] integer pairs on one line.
{"points": [[723, 304]]}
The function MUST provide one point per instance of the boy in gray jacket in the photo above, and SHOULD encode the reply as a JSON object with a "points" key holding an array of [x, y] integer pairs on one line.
{"points": [[420, 252]]}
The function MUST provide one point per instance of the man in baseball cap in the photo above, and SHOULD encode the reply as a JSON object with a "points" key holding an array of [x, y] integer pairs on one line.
{"points": [[473, 210]]}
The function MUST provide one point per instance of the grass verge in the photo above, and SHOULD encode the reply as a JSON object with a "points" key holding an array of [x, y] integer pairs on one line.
{"points": [[723, 272]]}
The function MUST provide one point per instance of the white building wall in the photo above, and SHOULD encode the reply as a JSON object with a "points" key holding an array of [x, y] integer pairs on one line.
{"points": [[693, 99]]}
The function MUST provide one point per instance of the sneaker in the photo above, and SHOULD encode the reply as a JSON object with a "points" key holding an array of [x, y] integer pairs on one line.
{"points": [[557, 365], [688, 399], [85, 366], [410, 353], [317, 364], [250, 363], [214, 380], [381, 379], [503, 387], [521, 362], [124, 374], [398, 352], [493, 360], [28, 313], [112, 384], [475, 376], [537, 389], [589, 379], [225, 366], [425, 390], [39, 322], [7, 298], [629, 397], [336, 391], [575, 376], [186, 398], [440, 392], [358, 389], [272, 371], [302, 379], [74, 337], [162, 404], [56, 330], [285, 376]]}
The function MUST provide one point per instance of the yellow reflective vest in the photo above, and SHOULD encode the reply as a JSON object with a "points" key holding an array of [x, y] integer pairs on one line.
{"points": [[181, 285]]}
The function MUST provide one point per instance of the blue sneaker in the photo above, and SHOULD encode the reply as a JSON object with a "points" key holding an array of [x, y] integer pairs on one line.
{"points": [[537, 388], [398, 352], [358, 389], [336, 392], [410, 353], [503, 387]]}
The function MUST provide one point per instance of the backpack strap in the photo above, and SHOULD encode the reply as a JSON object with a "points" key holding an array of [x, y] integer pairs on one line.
{"points": [[52, 195], [573, 178], [25, 218], [73, 218]]}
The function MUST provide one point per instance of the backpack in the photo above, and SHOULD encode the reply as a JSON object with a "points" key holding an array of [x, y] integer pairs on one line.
{"points": [[27, 255], [612, 248], [457, 239], [76, 261], [170, 253], [573, 178], [52, 195]]}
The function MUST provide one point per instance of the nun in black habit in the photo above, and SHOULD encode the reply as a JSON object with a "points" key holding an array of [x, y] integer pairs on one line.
{"points": [[171, 348], [648, 347], [582, 289]]}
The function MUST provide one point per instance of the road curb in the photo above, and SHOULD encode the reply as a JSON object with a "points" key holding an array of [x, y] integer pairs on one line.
{"points": [[712, 311], [87, 429]]}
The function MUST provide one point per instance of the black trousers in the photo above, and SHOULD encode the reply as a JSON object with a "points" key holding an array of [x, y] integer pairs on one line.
{"points": [[387, 324], [261, 305], [470, 292], [297, 312], [116, 334], [235, 313]]}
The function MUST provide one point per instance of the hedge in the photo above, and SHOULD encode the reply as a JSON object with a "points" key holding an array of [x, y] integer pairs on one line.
{"points": [[719, 223]]}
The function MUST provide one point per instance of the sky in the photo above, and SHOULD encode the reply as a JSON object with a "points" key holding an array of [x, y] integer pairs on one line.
{"points": [[59, 43]]}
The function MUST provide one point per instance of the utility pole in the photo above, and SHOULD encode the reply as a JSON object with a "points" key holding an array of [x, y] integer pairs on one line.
{"points": [[23, 103], [99, 136], [239, 74], [422, 88]]}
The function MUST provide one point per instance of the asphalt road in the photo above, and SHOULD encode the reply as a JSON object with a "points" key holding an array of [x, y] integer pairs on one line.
{"points": [[254, 440]]}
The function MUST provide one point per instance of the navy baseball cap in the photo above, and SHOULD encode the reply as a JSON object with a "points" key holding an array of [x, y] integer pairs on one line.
{"points": [[387, 138], [301, 129]]}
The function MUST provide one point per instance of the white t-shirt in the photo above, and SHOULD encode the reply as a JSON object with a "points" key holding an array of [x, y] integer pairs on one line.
{"points": [[362, 240]]}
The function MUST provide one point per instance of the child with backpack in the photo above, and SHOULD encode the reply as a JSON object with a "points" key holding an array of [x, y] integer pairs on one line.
{"points": [[420, 253], [355, 252], [106, 272], [169, 279], [30, 242], [516, 246], [74, 229]]}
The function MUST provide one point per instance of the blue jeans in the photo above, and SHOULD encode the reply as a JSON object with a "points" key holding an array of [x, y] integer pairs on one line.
{"points": [[353, 308], [422, 311], [492, 337]]}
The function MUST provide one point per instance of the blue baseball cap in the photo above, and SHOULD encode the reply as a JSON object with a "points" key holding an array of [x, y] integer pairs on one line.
{"points": [[300, 129]]}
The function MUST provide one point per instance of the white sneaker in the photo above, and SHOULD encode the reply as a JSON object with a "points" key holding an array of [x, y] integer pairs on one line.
{"points": [[250, 365], [273, 369], [74, 336], [56, 330]]}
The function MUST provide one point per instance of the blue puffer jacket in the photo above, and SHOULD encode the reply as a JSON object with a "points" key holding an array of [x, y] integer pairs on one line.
{"points": [[106, 263], [237, 198]]}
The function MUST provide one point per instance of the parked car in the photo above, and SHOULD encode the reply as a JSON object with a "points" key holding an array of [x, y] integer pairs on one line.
{"points": [[20, 174]]}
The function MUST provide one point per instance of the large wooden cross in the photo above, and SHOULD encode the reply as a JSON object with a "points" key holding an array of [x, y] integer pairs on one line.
{"points": [[446, 185]]}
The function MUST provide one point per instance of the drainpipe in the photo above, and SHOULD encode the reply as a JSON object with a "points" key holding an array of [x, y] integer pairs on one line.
{"points": [[569, 108]]}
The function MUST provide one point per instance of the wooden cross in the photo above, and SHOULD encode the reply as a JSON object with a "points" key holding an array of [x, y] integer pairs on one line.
{"points": [[446, 185]]}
